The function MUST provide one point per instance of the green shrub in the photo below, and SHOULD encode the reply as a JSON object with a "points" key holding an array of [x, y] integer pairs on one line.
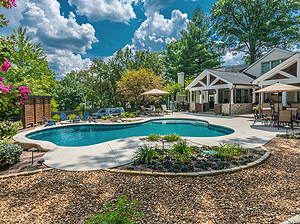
{"points": [[56, 117], [138, 112], [228, 151], [129, 120], [171, 137], [127, 114], [122, 212], [71, 116], [144, 154], [176, 110], [10, 154], [131, 115], [8, 129], [123, 115], [154, 137], [159, 109], [80, 115], [181, 147], [104, 117]]}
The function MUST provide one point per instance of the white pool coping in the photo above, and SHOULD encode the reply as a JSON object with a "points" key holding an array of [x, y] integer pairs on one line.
{"points": [[120, 151]]}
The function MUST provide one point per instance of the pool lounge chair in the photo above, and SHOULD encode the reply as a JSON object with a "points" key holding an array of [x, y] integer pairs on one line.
{"points": [[76, 120], [48, 122], [64, 118], [85, 117], [144, 111], [165, 109], [154, 111]]}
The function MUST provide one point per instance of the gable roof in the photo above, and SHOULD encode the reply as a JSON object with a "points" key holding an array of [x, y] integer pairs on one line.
{"points": [[266, 54], [233, 77], [293, 58]]}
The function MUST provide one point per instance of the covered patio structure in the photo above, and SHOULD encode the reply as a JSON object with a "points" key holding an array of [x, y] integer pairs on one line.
{"points": [[222, 92]]}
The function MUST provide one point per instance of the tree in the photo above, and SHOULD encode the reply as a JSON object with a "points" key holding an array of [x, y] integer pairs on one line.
{"points": [[245, 25], [196, 49], [69, 92], [95, 81], [30, 65], [135, 82]]}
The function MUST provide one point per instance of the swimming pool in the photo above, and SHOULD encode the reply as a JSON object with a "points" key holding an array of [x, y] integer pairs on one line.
{"points": [[90, 134]]}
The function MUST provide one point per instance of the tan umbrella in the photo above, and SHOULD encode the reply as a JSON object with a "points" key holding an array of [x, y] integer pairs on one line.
{"points": [[155, 92], [278, 87]]}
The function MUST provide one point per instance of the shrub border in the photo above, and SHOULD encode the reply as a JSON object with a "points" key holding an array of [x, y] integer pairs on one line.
{"points": [[195, 174]]}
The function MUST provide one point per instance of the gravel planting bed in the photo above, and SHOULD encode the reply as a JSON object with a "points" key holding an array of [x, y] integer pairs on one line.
{"points": [[268, 193]]}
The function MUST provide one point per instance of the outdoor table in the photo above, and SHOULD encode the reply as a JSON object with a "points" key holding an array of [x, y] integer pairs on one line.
{"points": [[273, 121]]}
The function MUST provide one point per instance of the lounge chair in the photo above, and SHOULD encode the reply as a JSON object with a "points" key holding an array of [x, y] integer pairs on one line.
{"points": [[48, 122], [154, 111], [165, 109], [285, 117], [76, 120], [144, 111], [276, 107], [85, 117], [63, 117]]}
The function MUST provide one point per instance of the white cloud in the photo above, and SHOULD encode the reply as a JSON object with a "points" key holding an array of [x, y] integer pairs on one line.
{"points": [[53, 30], [113, 10], [59, 36], [156, 31], [64, 61], [232, 58], [151, 6]]}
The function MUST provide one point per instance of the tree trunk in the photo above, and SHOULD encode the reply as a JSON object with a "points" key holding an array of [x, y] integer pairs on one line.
{"points": [[252, 54]]}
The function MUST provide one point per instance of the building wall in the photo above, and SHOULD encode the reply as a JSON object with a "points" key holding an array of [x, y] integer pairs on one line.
{"points": [[237, 108], [275, 55]]}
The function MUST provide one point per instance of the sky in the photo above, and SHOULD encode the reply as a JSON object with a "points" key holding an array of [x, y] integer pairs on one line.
{"points": [[73, 32]]}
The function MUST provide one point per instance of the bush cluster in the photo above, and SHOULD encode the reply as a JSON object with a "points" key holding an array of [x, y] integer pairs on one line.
{"points": [[294, 135], [8, 129], [9, 154]]}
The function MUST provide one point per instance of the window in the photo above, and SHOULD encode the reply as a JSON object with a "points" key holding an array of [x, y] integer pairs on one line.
{"points": [[266, 66], [274, 63]]}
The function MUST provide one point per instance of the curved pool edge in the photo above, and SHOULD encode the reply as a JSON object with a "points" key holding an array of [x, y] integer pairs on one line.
{"points": [[121, 149]]}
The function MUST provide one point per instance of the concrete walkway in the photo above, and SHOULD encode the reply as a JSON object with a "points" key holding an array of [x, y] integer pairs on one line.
{"points": [[118, 152]]}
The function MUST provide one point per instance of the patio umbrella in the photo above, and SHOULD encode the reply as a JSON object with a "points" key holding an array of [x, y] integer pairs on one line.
{"points": [[278, 88], [155, 92]]}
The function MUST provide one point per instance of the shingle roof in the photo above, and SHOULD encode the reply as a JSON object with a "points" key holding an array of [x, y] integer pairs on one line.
{"points": [[233, 77]]}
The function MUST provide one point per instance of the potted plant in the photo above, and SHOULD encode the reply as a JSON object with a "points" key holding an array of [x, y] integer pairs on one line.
{"points": [[255, 109]]}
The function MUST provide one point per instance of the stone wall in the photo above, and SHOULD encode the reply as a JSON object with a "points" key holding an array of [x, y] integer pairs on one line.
{"points": [[192, 107], [237, 108]]}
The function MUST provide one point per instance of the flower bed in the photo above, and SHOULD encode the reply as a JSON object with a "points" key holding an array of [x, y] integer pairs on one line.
{"points": [[185, 158], [295, 135]]}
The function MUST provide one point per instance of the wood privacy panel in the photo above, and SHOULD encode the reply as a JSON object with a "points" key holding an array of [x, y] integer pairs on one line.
{"points": [[47, 108], [34, 109], [39, 110]]}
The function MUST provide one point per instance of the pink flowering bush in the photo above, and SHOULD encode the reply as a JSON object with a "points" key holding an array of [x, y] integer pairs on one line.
{"points": [[11, 99], [6, 65]]}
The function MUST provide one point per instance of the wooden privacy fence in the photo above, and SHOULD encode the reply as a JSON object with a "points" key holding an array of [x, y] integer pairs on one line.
{"points": [[34, 108]]}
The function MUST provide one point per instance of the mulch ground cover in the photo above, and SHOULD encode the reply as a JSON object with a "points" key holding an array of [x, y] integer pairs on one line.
{"points": [[268, 193]]}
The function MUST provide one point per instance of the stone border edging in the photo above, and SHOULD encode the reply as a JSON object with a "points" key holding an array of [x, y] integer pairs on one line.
{"points": [[26, 173], [295, 219], [196, 174]]}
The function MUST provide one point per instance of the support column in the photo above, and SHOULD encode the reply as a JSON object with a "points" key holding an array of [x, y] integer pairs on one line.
{"points": [[253, 96], [284, 99], [231, 96], [298, 68], [191, 97], [262, 98], [206, 97], [217, 96], [295, 96], [201, 97]]}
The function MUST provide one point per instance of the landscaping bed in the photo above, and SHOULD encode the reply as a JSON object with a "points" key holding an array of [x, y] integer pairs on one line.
{"points": [[268, 193], [181, 157]]}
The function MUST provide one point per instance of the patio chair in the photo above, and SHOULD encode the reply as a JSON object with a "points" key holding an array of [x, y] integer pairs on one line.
{"points": [[63, 117], [296, 105], [154, 111], [285, 117], [165, 109], [49, 122], [85, 117], [144, 111], [276, 107], [76, 120]]}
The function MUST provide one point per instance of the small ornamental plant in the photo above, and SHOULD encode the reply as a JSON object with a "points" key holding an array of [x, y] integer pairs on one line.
{"points": [[9, 154], [171, 137], [255, 108], [153, 137], [8, 129], [11, 99], [120, 213]]}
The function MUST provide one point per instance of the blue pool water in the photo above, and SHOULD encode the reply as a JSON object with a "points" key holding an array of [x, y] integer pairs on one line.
{"points": [[90, 134]]}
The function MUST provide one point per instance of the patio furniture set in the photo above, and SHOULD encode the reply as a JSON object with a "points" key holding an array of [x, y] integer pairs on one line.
{"points": [[65, 120], [153, 111], [277, 115]]}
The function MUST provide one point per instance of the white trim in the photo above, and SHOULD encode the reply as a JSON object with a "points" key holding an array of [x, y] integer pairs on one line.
{"points": [[268, 53], [281, 66]]}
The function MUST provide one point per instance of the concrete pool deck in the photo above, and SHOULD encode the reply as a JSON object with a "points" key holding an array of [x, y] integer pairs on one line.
{"points": [[118, 152]]}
